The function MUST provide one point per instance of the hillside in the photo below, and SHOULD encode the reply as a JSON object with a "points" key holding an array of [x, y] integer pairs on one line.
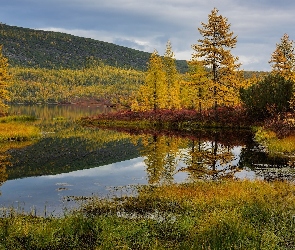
{"points": [[46, 49]]}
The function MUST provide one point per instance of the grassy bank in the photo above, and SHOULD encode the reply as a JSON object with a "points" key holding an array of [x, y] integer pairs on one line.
{"points": [[278, 135], [18, 128], [202, 215]]}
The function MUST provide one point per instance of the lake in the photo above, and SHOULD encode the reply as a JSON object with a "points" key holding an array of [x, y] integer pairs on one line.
{"points": [[70, 161]]}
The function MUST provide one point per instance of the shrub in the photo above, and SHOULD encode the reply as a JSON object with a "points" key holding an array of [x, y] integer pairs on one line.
{"points": [[268, 97]]}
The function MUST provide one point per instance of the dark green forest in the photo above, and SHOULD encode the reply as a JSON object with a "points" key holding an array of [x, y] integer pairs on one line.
{"points": [[54, 50]]}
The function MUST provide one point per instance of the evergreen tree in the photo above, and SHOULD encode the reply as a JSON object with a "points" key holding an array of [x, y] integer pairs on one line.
{"points": [[4, 78], [269, 96], [283, 58], [215, 51]]}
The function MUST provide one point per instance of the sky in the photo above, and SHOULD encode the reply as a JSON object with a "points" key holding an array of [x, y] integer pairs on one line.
{"points": [[147, 25]]}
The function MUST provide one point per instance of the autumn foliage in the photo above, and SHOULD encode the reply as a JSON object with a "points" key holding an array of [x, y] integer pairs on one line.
{"points": [[4, 77]]}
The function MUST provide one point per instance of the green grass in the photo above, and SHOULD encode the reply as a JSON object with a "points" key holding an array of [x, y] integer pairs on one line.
{"points": [[202, 215]]}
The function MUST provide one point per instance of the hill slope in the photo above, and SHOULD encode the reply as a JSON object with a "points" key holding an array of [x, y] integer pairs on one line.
{"points": [[47, 49]]}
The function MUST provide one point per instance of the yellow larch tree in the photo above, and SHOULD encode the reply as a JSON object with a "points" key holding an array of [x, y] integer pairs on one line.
{"points": [[283, 62], [152, 95], [172, 78], [283, 58], [4, 81], [199, 85], [215, 52]]}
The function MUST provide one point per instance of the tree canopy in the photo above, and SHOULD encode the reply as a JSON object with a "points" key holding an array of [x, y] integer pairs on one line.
{"points": [[214, 50], [152, 95], [283, 58]]}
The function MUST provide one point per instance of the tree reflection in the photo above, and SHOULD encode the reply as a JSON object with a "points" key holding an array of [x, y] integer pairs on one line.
{"points": [[209, 159], [5, 157], [199, 156], [161, 157], [4, 162]]}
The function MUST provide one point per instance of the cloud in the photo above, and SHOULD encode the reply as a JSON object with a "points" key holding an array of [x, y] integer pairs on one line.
{"points": [[148, 25], [94, 34]]}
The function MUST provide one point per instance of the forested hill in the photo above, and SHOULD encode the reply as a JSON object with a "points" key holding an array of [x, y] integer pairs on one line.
{"points": [[47, 49]]}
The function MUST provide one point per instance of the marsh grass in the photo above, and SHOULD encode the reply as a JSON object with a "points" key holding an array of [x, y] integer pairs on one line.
{"points": [[202, 215], [17, 118], [285, 145], [273, 144], [18, 128]]}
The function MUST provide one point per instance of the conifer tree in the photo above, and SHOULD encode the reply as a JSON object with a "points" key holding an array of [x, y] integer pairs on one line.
{"points": [[283, 58], [4, 78], [200, 84], [153, 94], [172, 78], [215, 52]]}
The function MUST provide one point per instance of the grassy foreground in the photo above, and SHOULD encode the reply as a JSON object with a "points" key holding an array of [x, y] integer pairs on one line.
{"points": [[202, 215]]}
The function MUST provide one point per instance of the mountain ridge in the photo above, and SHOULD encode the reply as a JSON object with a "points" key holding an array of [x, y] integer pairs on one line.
{"points": [[50, 49]]}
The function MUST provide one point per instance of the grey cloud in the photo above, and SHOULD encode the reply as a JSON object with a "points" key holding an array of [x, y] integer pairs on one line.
{"points": [[147, 25]]}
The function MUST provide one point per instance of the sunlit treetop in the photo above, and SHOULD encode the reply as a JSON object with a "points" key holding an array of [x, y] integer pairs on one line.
{"points": [[214, 50], [217, 39], [283, 58]]}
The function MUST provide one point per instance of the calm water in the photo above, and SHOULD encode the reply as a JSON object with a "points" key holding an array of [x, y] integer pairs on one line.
{"points": [[70, 160]]}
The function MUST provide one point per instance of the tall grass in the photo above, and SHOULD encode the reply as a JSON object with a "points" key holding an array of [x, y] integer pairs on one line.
{"points": [[274, 144], [17, 118], [18, 128], [202, 215]]}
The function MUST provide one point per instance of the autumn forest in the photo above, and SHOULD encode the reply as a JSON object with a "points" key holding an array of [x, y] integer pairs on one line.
{"points": [[211, 79], [119, 148]]}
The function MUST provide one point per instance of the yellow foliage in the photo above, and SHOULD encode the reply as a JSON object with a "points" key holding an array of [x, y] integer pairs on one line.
{"points": [[200, 89], [215, 52], [57, 85], [4, 81], [153, 94], [172, 79], [283, 58]]}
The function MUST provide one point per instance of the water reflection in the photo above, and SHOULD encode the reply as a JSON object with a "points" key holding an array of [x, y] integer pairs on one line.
{"points": [[201, 157], [4, 161], [209, 159], [50, 112], [209, 154], [5, 157], [70, 160]]}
